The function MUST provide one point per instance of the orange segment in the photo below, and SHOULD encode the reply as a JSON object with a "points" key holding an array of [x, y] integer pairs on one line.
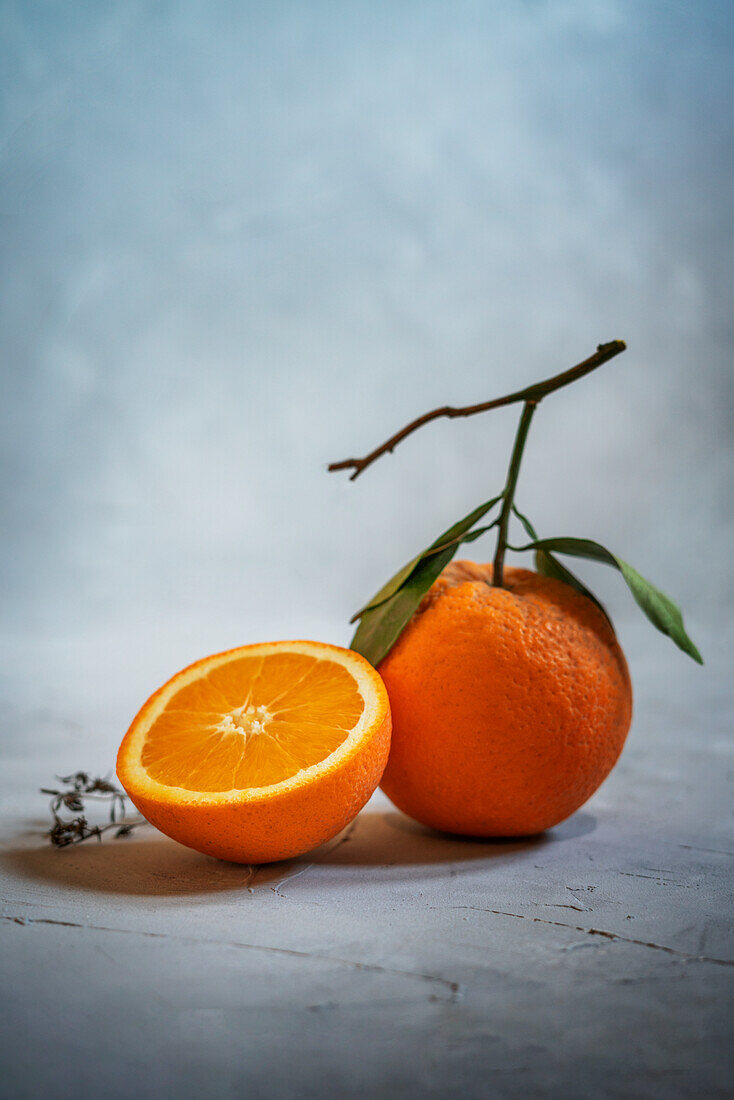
{"points": [[220, 756]]}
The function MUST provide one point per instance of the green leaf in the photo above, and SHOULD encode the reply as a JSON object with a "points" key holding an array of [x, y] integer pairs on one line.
{"points": [[381, 626], [386, 616], [549, 566], [388, 589], [659, 608], [452, 535], [530, 530]]}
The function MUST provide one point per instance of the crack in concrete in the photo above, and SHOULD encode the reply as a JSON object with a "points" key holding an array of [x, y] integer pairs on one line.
{"points": [[655, 878], [251, 870], [287, 878], [604, 934], [582, 907], [346, 835], [454, 989], [696, 848]]}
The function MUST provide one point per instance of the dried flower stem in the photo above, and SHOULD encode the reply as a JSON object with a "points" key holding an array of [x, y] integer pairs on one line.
{"points": [[80, 788]]}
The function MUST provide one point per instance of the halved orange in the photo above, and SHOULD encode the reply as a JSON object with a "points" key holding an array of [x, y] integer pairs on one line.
{"points": [[259, 753]]}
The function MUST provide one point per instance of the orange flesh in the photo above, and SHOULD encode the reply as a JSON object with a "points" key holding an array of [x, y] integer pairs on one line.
{"points": [[252, 722]]}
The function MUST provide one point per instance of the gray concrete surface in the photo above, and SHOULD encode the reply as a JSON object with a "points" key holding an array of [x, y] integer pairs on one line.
{"points": [[240, 240], [594, 961]]}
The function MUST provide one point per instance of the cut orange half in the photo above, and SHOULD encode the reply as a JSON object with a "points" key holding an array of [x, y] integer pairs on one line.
{"points": [[259, 753]]}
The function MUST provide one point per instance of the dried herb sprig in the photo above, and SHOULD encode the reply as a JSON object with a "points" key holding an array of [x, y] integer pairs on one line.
{"points": [[80, 788]]}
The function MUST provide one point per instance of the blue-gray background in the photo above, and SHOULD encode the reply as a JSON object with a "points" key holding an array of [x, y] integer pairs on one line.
{"points": [[242, 240]]}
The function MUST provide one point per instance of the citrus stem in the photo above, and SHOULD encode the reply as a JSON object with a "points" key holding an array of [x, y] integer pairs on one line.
{"points": [[508, 495], [536, 392]]}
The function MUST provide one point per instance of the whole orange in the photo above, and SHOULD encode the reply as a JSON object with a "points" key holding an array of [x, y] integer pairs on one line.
{"points": [[509, 705]]}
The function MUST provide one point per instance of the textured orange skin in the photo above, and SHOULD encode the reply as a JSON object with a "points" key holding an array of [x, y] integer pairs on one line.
{"points": [[294, 823], [510, 705], [265, 829]]}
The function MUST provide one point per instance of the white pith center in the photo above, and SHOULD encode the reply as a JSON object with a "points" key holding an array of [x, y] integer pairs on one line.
{"points": [[247, 720]]}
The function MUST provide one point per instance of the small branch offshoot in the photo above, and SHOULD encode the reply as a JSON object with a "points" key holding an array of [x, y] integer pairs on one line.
{"points": [[534, 393]]}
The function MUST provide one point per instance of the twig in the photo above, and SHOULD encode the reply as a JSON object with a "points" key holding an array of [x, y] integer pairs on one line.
{"points": [[534, 394]]}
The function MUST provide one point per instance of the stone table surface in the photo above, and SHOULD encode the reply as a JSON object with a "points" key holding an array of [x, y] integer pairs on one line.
{"points": [[594, 960], [241, 241]]}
